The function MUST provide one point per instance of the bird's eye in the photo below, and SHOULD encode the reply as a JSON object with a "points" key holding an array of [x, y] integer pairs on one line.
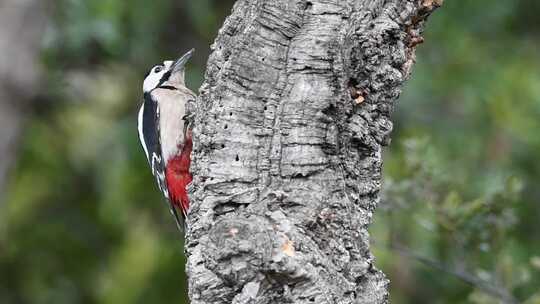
{"points": [[158, 69]]}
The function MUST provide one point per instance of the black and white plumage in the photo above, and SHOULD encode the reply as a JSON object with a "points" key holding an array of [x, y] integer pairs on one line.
{"points": [[148, 126], [163, 131]]}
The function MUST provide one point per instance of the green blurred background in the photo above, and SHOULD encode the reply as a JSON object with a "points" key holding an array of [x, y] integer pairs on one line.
{"points": [[81, 220]]}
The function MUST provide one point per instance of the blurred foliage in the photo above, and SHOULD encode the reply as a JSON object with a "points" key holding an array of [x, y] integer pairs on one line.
{"points": [[461, 179], [81, 224]]}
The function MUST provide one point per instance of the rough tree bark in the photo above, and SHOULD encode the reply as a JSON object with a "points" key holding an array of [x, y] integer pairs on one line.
{"points": [[290, 124]]}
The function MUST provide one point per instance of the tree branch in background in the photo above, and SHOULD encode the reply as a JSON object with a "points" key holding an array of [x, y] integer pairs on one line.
{"points": [[22, 25], [498, 291], [290, 125]]}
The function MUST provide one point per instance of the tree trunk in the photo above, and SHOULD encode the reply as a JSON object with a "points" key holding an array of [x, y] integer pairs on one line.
{"points": [[289, 130]]}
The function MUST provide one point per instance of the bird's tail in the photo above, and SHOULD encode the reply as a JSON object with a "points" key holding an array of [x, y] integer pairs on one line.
{"points": [[180, 222]]}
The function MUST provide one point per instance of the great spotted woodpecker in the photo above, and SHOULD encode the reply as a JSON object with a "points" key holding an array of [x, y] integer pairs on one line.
{"points": [[165, 134]]}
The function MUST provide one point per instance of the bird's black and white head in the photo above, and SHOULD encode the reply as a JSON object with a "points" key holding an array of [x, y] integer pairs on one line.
{"points": [[170, 73]]}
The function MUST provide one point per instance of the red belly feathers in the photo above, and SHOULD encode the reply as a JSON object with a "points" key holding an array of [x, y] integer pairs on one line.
{"points": [[178, 176]]}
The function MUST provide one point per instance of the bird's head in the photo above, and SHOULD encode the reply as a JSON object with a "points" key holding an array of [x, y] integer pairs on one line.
{"points": [[170, 73]]}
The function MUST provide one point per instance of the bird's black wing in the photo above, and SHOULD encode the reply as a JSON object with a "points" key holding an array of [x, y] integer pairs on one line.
{"points": [[149, 136]]}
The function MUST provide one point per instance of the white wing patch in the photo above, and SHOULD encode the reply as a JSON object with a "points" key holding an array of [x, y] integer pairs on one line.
{"points": [[160, 175], [140, 129]]}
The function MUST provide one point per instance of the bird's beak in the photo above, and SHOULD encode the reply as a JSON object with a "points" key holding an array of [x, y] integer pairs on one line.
{"points": [[179, 64]]}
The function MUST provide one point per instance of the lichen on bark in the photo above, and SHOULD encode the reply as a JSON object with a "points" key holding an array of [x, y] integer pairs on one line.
{"points": [[289, 129]]}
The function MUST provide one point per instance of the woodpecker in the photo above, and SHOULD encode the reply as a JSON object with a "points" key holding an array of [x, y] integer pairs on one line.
{"points": [[165, 133]]}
